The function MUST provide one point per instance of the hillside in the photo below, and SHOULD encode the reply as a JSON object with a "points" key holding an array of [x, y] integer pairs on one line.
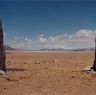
{"points": [[9, 48]]}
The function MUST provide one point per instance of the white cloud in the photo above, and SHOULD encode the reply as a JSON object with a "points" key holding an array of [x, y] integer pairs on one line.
{"points": [[81, 39]]}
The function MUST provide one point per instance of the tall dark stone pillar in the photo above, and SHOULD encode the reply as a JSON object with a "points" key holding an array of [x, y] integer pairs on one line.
{"points": [[2, 50]]}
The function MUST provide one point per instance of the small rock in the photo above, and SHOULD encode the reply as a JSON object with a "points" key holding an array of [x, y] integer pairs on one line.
{"points": [[5, 88], [88, 68], [46, 68], [2, 72], [73, 77], [45, 62], [54, 60], [36, 62], [8, 62]]}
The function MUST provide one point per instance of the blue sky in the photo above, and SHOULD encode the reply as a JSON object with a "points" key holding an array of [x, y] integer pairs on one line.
{"points": [[26, 21]]}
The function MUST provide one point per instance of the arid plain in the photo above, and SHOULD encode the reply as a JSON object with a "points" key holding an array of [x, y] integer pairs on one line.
{"points": [[48, 73]]}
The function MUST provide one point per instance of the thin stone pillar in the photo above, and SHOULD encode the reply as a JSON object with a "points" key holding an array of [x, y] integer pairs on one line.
{"points": [[2, 50]]}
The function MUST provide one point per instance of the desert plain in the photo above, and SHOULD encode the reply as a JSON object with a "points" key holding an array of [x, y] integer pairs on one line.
{"points": [[48, 73]]}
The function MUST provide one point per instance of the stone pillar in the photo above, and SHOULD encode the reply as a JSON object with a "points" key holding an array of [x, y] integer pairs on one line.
{"points": [[2, 50]]}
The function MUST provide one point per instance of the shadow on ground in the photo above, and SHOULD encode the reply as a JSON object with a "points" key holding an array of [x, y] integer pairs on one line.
{"points": [[15, 69]]}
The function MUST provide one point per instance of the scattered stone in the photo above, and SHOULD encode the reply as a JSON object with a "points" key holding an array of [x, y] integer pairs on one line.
{"points": [[88, 68], [54, 60], [4, 88], [2, 72], [44, 62], [46, 68], [24, 63], [75, 71], [8, 62], [73, 77], [36, 62]]}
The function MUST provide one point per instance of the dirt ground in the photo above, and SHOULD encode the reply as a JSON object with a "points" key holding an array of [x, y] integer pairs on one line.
{"points": [[48, 73]]}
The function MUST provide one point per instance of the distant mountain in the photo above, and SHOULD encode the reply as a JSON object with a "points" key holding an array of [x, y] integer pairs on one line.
{"points": [[61, 49], [53, 49], [9, 48], [83, 49]]}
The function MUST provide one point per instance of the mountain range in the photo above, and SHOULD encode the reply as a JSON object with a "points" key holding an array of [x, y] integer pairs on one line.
{"points": [[61, 49], [52, 49], [8, 47]]}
